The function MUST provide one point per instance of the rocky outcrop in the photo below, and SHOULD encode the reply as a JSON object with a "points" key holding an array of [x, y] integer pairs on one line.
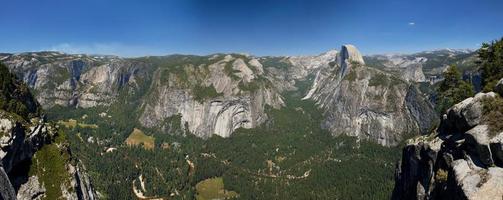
{"points": [[19, 142], [368, 103], [31, 189], [16, 145], [414, 73], [466, 114], [461, 160], [6, 190], [81, 183], [20, 139]]}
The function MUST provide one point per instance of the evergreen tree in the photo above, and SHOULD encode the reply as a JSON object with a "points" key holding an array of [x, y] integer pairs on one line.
{"points": [[491, 63], [452, 89]]}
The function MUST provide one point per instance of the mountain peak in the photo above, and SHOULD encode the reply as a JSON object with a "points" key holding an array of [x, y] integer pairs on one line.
{"points": [[351, 53]]}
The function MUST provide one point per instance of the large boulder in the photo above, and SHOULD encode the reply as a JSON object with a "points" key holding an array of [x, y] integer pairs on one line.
{"points": [[496, 144], [478, 183], [414, 174], [466, 114], [477, 139], [467, 161]]}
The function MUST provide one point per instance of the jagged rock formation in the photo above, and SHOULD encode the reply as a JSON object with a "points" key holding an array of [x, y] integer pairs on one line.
{"points": [[20, 139], [368, 103], [31, 189], [18, 144], [462, 160]]}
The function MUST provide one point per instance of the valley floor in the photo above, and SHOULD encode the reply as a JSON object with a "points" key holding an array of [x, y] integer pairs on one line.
{"points": [[290, 157]]}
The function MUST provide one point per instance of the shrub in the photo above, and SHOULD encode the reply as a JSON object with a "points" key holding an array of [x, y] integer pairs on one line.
{"points": [[379, 79], [351, 76], [493, 113], [202, 93], [441, 176]]}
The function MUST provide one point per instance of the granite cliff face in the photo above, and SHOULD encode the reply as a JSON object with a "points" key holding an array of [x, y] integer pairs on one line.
{"points": [[368, 103], [18, 147], [230, 92], [22, 135], [463, 159], [73, 80]]}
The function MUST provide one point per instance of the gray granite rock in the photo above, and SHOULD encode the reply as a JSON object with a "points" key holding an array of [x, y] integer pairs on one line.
{"points": [[32, 189], [499, 87], [368, 103], [462, 161]]}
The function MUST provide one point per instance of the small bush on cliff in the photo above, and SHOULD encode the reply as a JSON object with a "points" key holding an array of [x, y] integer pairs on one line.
{"points": [[49, 164], [351, 76], [491, 63], [202, 93], [452, 89], [379, 79], [493, 113], [441, 176]]}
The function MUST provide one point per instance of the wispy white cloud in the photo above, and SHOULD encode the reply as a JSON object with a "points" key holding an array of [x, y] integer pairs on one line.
{"points": [[106, 49], [412, 23]]}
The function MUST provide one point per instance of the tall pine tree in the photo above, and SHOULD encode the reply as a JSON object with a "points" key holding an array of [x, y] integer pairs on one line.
{"points": [[452, 89], [491, 63]]}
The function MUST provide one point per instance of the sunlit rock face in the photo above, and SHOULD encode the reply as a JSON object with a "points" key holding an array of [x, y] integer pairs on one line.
{"points": [[368, 103], [24, 132], [235, 106], [74, 80], [463, 159]]}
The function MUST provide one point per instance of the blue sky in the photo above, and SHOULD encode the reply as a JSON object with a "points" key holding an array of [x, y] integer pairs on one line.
{"points": [[267, 27]]}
